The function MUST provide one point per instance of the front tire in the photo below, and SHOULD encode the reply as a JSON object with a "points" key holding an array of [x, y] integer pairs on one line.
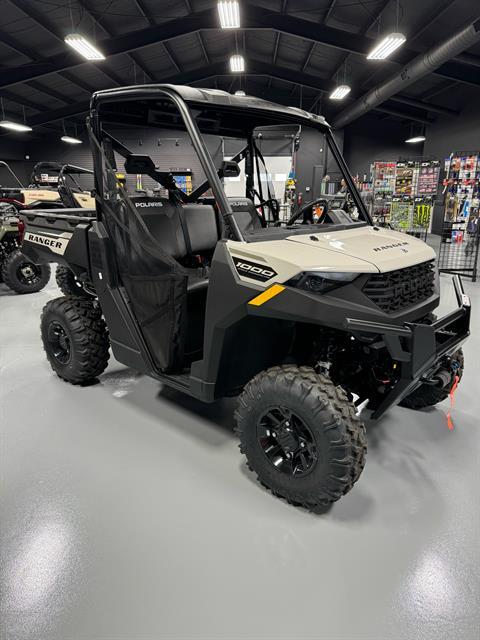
{"points": [[68, 284], [427, 395], [300, 435], [23, 276], [75, 339]]}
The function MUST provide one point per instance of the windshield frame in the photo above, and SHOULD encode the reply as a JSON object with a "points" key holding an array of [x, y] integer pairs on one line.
{"points": [[220, 101]]}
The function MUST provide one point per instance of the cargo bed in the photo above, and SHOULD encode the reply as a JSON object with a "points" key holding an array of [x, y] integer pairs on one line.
{"points": [[53, 235]]}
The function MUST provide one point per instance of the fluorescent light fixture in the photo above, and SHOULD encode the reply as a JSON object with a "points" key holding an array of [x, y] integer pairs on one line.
{"points": [[239, 93], [70, 140], [84, 47], [387, 46], [416, 139], [229, 12], [340, 92], [14, 126], [237, 64]]}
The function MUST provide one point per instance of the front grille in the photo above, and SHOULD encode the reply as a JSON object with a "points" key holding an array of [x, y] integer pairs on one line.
{"points": [[400, 289]]}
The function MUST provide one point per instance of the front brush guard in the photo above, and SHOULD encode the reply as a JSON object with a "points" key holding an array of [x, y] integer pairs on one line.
{"points": [[418, 348]]}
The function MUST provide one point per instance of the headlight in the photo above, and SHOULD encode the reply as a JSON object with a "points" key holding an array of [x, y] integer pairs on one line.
{"points": [[321, 281]]}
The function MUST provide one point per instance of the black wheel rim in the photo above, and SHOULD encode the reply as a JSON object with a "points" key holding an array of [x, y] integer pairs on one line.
{"points": [[287, 442], [59, 342], [28, 273]]}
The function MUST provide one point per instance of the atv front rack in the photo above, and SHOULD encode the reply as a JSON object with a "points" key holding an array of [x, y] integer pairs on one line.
{"points": [[418, 348]]}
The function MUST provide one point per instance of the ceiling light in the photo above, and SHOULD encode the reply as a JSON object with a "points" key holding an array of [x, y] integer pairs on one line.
{"points": [[340, 92], [237, 64], [386, 46], [229, 12], [14, 126], [70, 140], [84, 47], [239, 93], [416, 139]]}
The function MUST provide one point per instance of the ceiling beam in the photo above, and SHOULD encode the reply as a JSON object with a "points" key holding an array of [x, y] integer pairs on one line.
{"points": [[171, 57], [426, 106], [275, 47], [82, 107], [33, 55], [38, 86], [123, 43], [306, 62], [28, 9], [256, 17], [203, 47], [433, 16], [89, 9], [420, 67], [77, 81], [24, 102], [253, 18], [144, 12], [211, 72], [329, 11], [363, 32]]}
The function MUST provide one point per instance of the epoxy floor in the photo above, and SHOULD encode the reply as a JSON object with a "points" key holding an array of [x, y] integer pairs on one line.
{"points": [[127, 513]]}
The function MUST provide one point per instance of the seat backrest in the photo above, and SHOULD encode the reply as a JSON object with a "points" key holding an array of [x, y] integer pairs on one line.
{"points": [[201, 226], [162, 219], [245, 214]]}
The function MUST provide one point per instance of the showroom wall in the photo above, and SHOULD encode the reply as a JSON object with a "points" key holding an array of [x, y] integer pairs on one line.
{"points": [[175, 150], [371, 138], [13, 153], [458, 133]]}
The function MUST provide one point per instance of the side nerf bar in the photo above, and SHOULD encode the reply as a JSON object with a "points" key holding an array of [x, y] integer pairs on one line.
{"points": [[418, 348]]}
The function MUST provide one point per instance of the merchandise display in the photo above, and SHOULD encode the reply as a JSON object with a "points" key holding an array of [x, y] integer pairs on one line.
{"points": [[404, 193], [404, 178], [460, 246], [301, 332]]}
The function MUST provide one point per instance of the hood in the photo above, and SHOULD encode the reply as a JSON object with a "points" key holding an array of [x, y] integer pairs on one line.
{"points": [[387, 250]]}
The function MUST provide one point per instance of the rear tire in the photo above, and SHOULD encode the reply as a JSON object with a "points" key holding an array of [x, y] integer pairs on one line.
{"points": [[23, 276], [75, 339], [426, 395], [320, 424], [68, 284]]}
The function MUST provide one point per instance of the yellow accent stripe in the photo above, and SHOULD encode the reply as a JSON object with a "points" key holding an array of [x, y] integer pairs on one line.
{"points": [[268, 294]]}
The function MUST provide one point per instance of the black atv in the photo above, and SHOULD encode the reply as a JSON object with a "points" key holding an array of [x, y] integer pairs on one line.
{"points": [[216, 296]]}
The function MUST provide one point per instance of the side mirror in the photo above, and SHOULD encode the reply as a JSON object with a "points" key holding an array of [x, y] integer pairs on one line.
{"points": [[136, 163], [229, 169]]}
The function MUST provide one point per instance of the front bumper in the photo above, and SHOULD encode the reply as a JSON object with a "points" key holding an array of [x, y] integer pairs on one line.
{"points": [[418, 348]]}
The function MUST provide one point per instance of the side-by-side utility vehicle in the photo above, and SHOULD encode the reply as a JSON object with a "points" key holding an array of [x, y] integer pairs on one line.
{"points": [[74, 186], [17, 271], [212, 294]]}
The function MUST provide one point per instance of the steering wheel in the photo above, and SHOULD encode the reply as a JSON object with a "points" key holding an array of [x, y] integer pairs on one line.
{"points": [[299, 212]]}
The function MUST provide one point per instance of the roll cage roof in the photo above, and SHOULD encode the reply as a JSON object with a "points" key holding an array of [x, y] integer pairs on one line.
{"points": [[248, 106], [58, 167]]}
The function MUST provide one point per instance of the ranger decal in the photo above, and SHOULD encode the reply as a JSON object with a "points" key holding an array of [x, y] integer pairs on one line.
{"points": [[390, 246], [56, 244]]}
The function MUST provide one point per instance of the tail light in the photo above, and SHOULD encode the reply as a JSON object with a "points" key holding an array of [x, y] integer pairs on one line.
{"points": [[21, 230]]}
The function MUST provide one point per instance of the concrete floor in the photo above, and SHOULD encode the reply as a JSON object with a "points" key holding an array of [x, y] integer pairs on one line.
{"points": [[127, 513]]}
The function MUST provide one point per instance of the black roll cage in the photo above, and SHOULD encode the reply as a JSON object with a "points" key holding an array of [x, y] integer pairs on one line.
{"points": [[213, 178], [11, 172], [62, 170]]}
